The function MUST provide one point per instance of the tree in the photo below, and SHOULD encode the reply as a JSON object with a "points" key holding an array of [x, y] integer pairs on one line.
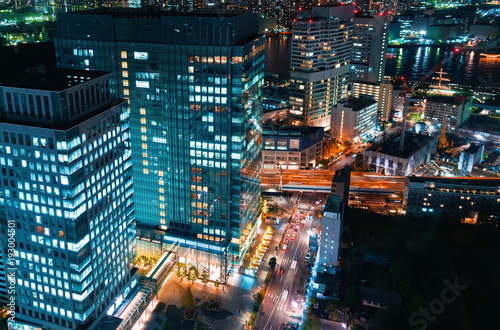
{"points": [[204, 278], [188, 303], [181, 271], [353, 296], [272, 262], [201, 326], [193, 274], [216, 283], [312, 321]]}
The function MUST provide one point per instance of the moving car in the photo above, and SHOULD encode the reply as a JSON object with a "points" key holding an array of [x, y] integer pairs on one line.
{"points": [[284, 247]]}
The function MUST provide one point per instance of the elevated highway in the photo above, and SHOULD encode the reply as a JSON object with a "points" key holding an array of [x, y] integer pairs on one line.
{"points": [[321, 181]]}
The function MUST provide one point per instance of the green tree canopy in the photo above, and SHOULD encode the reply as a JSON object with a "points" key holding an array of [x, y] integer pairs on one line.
{"points": [[193, 274], [353, 296], [272, 262], [188, 303], [204, 277]]}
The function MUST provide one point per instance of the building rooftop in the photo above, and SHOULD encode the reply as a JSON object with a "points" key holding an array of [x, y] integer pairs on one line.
{"points": [[50, 80], [383, 297], [333, 204], [456, 100], [357, 104], [482, 123], [460, 181], [271, 130], [413, 143]]}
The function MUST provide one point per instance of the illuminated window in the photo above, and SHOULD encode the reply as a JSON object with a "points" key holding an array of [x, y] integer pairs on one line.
{"points": [[125, 91], [141, 55], [144, 162], [142, 84], [124, 54], [143, 111], [143, 120], [161, 182], [144, 138], [145, 171], [162, 213], [124, 65], [145, 154], [125, 83], [144, 146], [162, 198], [162, 190], [160, 173], [162, 206], [125, 74], [143, 129]]}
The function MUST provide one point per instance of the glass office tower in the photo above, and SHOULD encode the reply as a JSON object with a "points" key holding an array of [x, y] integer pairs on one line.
{"points": [[192, 82], [66, 198]]}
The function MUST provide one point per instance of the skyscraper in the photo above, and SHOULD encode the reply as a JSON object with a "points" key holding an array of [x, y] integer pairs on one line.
{"points": [[67, 195], [321, 52], [192, 82], [370, 37]]}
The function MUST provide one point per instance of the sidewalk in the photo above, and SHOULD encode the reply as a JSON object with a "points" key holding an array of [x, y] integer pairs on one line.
{"points": [[236, 296]]}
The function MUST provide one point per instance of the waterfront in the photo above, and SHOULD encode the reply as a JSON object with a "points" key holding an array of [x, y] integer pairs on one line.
{"points": [[465, 69]]}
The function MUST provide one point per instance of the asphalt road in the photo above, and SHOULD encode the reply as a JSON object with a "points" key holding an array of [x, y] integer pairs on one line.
{"points": [[278, 299]]}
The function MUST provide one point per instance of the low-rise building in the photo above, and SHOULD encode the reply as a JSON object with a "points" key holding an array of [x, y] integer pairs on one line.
{"points": [[389, 159], [355, 119], [465, 198], [456, 108], [292, 147], [382, 92]]}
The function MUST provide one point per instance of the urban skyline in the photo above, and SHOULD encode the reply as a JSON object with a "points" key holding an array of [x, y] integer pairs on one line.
{"points": [[241, 165]]}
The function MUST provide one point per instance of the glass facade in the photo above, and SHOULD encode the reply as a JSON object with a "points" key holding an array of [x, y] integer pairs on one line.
{"points": [[195, 114], [67, 194]]}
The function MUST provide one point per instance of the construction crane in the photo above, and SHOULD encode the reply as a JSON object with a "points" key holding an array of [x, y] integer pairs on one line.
{"points": [[407, 91]]}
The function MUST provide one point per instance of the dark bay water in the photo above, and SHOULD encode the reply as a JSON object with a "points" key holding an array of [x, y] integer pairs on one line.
{"points": [[466, 68]]}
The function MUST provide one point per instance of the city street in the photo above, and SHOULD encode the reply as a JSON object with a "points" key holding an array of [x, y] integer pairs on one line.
{"points": [[280, 299]]}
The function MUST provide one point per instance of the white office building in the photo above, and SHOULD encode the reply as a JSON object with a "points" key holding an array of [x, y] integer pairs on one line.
{"points": [[355, 119]]}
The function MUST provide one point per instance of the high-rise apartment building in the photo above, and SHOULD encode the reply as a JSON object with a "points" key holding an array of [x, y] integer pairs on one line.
{"points": [[192, 82], [66, 198], [319, 73], [370, 37]]}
